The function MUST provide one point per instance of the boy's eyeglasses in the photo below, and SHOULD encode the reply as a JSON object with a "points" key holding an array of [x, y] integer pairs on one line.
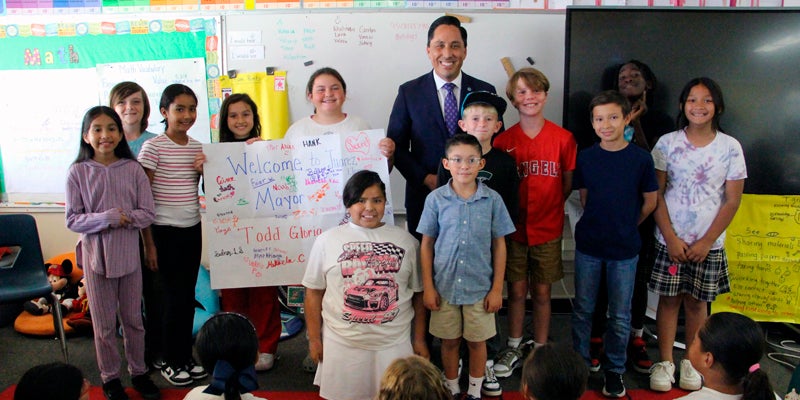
{"points": [[470, 161]]}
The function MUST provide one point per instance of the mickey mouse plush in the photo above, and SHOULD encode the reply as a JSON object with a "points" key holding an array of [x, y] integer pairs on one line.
{"points": [[81, 319], [58, 275]]}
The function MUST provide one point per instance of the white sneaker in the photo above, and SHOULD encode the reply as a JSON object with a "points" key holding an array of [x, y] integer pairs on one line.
{"points": [[177, 376], [690, 378], [265, 362], [490, 387], [662, 376]]}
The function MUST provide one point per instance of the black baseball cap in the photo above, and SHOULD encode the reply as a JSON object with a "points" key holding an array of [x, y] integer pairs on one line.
{"points": [[484, 97]]}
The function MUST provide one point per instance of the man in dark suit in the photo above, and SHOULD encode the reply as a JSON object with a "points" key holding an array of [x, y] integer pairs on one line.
{"points": [[417, 123]]}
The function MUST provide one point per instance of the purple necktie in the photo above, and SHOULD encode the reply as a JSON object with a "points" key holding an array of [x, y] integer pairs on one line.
{"points": [[450, 108]]}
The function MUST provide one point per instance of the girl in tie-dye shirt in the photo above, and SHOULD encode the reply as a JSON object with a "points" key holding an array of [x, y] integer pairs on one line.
{"points": [[701, 173]]}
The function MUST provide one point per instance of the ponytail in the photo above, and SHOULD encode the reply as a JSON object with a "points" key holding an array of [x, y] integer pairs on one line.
{"points": [[737, 343], [756, 385], [232, 388]]}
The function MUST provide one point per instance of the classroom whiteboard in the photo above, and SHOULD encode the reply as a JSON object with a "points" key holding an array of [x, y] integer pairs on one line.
{"points": [[50, 81], [377, 51]]}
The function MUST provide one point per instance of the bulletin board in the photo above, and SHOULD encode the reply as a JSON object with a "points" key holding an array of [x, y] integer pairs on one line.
{"points": [[78, 62], [377, 52]]}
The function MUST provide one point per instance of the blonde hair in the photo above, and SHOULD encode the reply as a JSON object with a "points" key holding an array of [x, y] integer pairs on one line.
{"points": [[533, 78], [412, 378]]}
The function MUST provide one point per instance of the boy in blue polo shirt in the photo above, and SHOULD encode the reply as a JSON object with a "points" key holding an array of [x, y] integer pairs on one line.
{"points": [[480, 117], [463, 258], [617, 185]]}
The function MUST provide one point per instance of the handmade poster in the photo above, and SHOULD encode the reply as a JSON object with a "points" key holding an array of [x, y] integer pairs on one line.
{"points": [[266, 202], [763, 246]]}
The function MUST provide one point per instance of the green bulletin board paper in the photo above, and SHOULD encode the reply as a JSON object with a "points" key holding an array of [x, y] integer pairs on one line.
{"points": [[50, 81]]}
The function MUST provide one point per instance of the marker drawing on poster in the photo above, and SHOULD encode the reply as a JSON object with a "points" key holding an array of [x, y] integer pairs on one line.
{"points": [[266, 202]]}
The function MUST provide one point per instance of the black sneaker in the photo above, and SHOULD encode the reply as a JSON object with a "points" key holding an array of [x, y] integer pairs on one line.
{"points": [[614, 386], [158, 363], [195, 370], [177, 376], [146, 387], [113, 390]]}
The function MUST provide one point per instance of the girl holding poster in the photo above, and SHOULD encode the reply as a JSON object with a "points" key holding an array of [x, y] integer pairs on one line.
{"points": [[363, 290], [326, 90], [239, 122]]}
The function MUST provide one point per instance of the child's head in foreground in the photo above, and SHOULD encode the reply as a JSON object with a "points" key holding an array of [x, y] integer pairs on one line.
{"points": [[230, 337], [554, 371], [227, 345], [412, 378], [727, 351], [54, 381]]}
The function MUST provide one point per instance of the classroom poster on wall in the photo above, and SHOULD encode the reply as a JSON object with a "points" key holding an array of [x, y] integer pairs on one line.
{"points": [[50, 76], [763, 247], [266, 202]]}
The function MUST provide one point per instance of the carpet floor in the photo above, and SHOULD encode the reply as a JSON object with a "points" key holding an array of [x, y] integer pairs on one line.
{"points": [[96, 393]]}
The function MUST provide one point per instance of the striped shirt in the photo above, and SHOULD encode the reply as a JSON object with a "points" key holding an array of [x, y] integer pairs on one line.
{"points": [[175, 181], [95, 195]]}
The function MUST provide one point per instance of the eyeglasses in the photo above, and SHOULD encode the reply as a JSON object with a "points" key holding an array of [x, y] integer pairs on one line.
{"points": [[470, 161]]}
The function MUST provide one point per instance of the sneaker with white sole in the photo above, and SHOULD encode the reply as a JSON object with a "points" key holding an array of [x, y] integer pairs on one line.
{"points": [[158, 363], [662, 376], [613, 385], [195, 370], [265, 362], [508, 361], [690, 378], [595, 353], [491, 387], [177, 376], [637, 355]]}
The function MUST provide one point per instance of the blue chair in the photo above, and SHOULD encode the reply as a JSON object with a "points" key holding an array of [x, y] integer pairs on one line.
{"points": [[26, 278]]}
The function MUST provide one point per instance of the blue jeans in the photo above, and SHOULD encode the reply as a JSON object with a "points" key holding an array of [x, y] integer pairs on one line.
{"points": [[620, 275]]}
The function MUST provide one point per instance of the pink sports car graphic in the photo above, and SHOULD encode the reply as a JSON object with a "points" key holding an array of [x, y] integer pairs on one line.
{"points": [[374, 295]]}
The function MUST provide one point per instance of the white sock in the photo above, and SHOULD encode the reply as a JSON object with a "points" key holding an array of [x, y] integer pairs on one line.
{"points": [[489, 363], [474, 388], [637, 332], [536, 345], [514, 342], [452, 384]]}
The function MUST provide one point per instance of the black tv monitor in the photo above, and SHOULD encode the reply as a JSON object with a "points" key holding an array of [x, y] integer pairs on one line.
{"points": [[753, 54]]}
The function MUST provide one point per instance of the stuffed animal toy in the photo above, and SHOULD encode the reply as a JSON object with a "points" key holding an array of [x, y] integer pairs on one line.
{"points": [[81, 319], [58, 275]]}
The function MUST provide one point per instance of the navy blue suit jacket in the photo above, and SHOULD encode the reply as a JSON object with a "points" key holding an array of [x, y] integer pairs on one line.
{"points": [[418, 129]]}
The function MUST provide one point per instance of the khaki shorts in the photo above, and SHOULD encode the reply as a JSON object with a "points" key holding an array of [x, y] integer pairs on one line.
{"points": [[470, 321], [540, 263]]}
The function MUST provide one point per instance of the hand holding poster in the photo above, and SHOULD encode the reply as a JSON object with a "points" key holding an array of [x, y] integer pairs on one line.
{"points": [[266, 202]]}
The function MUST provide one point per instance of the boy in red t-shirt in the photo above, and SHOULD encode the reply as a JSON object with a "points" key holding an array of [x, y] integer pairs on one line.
{"points": [[545, 158]]}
